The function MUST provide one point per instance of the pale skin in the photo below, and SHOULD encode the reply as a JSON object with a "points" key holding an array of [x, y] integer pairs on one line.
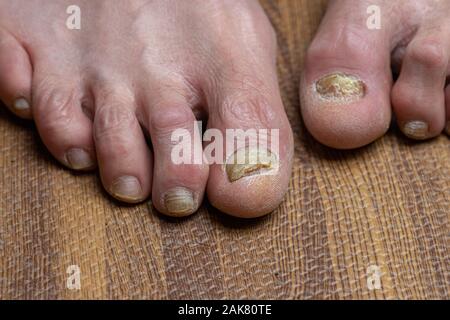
{"points": [[145, 68], [414, 39]]}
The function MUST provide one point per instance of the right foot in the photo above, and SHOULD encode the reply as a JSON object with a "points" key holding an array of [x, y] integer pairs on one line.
{"points": [[346, 87], [155, 65]]}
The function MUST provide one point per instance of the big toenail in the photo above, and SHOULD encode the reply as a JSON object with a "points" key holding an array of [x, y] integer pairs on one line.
{"points": [[127, 188], [416, 130], [21, 104], [447, 128], [179, 202], [340, 86], [250, 161], [79, 159]]}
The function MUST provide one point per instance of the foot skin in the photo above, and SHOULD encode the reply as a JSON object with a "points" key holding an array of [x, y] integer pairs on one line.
{"points": [[146, 68], [347, 89]]}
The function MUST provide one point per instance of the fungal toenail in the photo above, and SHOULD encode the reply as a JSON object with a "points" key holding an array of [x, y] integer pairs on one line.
{"points": [[179, 202], [416, 130], [340, 86], [127, 188], [447, 128], [79, 159], [21, 104], [250, 161]]}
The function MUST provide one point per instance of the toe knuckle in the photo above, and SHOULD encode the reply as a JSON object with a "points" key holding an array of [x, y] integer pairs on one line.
{"points": [[113, 120], [429, 53], [169, 119], [403, 96], [54, 109], [345, 37], [245, 111], [317, 52]]}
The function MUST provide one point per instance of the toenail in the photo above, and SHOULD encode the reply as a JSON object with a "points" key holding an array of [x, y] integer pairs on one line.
{"points": [[79, 159], [127, 188], [416, 130], [179, 202], [250, 161], [21, 104], [340, 86], [447, 128]]}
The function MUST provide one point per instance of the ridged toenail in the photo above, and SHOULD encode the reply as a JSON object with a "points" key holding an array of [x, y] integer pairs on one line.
{"points": [[127, 188], [79, 159], [21, 104], [340, 86], [416, 130], [447, 128], [249, 161], [179, 202]]}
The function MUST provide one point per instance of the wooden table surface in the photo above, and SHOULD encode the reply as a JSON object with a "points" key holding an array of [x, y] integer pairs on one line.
{"points": [[349, 219]]}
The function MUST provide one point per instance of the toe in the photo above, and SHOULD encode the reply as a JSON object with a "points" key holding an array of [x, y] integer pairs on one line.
{"points": [[418, 95], [346, 80], [180, 174], [62, 125], [252, 177], [15, 76], [123, 156]]}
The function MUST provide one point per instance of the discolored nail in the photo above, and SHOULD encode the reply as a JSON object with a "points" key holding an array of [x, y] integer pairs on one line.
{"points": [[79, 159], [340, 86], [416, 130], [127, 188], [249, 161], [21, 104], [179, 202], [447, 128]]}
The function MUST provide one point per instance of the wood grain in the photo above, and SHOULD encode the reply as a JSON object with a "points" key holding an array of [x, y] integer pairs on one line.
{"points": [[384, 205]]}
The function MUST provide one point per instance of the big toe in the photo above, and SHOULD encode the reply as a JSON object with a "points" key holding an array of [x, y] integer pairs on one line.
{"points": [[258, 149], [345, 89]]}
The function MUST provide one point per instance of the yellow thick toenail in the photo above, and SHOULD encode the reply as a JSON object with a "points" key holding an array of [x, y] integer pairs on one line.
{"points": [[179, 202], [340, 86], [416, 130], [250, 161]]}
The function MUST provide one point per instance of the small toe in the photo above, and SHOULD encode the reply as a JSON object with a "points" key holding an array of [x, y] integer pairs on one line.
{"points": [[15, 76], [124, 158], [180, 172], [418, 96], [64, 128]]}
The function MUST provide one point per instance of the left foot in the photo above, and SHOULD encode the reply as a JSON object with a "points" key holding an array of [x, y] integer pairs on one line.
{"points": [[154, 65]]}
